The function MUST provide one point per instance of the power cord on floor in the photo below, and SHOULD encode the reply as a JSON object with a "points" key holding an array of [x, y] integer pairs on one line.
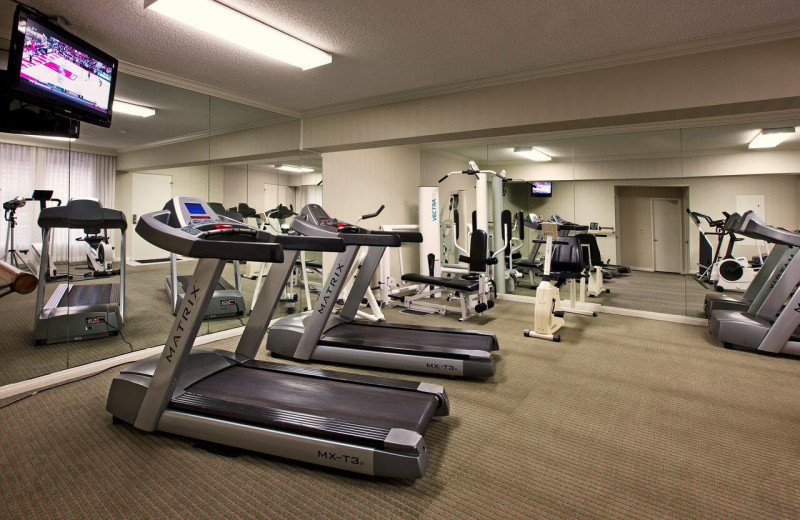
{"points": [[56, 386]]}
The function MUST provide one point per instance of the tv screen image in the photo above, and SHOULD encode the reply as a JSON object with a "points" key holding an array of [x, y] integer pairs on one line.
{"points": [[541, 189], [54, 65], [61, 72]]}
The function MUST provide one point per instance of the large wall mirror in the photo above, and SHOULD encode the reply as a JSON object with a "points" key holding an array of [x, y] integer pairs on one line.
{"points": [[175, 146], [648, 207]]}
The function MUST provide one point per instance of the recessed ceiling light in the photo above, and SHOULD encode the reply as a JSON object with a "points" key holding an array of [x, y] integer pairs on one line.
{"points": [[121, 107], [771, 137], [532, 153], [294, 169], [240, 29]]}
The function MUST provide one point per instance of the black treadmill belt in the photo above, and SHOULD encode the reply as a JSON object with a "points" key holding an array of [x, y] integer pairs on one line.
{"points": [[308, 403], [386, 335], [86, 294], [222, 285]]}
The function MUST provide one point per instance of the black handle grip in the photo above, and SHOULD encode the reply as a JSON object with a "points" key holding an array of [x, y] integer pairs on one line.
{"points": [[412, 237], [443, 178], [301, 243], [373, 215], [371, 239]]}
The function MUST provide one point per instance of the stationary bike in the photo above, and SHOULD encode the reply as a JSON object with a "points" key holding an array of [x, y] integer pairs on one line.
{"points": [[548, 315], [734, 273], [99, 254]]}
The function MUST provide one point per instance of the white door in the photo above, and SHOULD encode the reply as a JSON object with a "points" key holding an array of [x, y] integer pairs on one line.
{"points": [[667, 234], [150, 193]]}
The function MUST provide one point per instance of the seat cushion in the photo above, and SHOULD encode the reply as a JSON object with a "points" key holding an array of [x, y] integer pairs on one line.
{"points": [[449, 283], [529, 265]]}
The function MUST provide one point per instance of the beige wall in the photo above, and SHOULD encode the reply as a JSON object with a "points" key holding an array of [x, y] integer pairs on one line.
{"points": [[359, 181], [243, 184], [731, 81]]}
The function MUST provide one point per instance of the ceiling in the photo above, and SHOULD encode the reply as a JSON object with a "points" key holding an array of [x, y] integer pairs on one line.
{"points": [[661, 143], [381, 48]]}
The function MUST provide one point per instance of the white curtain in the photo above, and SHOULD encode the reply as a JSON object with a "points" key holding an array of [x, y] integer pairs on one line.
{"points": [[17, 178], [69, 175]]}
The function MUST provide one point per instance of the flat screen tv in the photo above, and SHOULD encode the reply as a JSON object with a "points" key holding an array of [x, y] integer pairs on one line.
{"points": [[55, 70], [541, 189]]}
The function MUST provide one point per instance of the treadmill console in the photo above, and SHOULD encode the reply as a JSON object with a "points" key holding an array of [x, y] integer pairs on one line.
{"points": [[194, 216], [314, 214]]}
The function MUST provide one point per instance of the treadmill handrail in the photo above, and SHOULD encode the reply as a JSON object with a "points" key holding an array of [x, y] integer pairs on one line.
{"points": [[413, 237], [304, 243], [370, 239], [153, 227]]}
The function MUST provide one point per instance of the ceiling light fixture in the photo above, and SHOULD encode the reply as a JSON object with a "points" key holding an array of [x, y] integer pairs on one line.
{"points": [[294, 169], [240, 29], [532, 153], [121, 107], [771, 137], [54, 138]]}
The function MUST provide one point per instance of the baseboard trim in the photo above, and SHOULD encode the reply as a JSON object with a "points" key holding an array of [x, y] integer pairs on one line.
{"points": [[633, 313], [69, 374]]}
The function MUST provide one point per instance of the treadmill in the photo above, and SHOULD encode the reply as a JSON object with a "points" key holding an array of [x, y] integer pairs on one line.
{"points": [[321, 335], [227, 300], [75, 311], [780, 256], [351, 422], [770, 323]]}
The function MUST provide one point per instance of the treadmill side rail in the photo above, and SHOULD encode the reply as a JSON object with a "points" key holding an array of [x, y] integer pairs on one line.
{"points": [[179, 342]]}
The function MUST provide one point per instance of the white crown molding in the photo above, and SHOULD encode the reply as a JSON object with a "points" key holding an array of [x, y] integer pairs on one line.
{"points": [[712, 43], [203, 134], [202, 88]]}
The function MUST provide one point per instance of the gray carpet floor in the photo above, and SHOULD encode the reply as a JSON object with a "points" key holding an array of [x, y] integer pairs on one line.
{"points": [[656, 292], [147, 322], [625, 418]]}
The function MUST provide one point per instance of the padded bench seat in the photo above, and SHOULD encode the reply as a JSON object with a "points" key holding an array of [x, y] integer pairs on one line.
{"points": [[529, 265], [449, 283]]}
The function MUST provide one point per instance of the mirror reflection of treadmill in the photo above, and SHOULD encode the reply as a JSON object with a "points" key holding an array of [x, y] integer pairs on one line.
{"points": [[74, 311], [227, 301]]}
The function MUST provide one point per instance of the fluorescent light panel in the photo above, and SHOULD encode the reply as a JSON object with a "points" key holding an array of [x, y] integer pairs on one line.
{"points": [[771, 137], [54, 138], [294, 169], [532, 153], [240, 29], [121, 107]]}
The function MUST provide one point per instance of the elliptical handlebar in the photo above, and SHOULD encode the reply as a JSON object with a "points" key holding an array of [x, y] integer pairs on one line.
{"points": [[371, 215]]}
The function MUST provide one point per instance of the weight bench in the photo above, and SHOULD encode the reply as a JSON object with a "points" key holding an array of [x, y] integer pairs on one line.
{"points": [[473, 290]]}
